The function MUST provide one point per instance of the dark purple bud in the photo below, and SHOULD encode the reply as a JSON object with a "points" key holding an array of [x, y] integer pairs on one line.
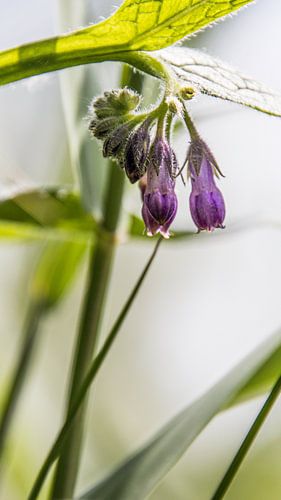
{"points": [[115, 142], [101, 128], [206, 201], [160, 201], [136, 153]]}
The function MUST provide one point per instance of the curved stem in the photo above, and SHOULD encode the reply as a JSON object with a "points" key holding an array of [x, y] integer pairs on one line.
{"points": [[95, 295], [241, 453], [34, 315], [189, 124], [85, 386]]}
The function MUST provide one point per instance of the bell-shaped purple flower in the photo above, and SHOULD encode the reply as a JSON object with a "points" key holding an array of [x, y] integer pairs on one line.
{"points": [[160, 201], [206, 201]]}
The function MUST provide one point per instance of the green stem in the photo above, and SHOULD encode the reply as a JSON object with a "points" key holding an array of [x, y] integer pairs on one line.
{"points": [[88, 380], [189, 124], [241, 453], [34, 316], [95, 295]]}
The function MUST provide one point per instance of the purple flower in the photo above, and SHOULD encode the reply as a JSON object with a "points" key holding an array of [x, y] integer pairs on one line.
{"points": [[206, 201], [160, 201]]}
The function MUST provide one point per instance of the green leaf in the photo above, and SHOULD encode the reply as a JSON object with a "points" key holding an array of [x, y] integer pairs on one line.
{"points": [[216, 78], [141, 473], [262, 380], [55, 271], [136, 25], [42, 213], [154, 24]]}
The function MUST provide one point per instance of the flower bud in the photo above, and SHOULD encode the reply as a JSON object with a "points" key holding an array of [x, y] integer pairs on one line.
{"points": [[186, 93], [116, 102], [101, 128], [115, 142], [159, 201], [206, 201], [174, 105], [136, 153]]}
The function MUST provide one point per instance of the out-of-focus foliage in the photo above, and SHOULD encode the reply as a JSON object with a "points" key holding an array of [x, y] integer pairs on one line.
{"points": [[140, 474], [55, 271], [40, 213]]}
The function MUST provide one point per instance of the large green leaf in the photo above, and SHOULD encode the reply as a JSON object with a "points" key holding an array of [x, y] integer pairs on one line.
{"points": [[136, 25], [140, 474], [214, 77]]}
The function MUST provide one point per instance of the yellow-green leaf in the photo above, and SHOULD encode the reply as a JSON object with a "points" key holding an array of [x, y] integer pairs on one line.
{"points": [[137, 25]]}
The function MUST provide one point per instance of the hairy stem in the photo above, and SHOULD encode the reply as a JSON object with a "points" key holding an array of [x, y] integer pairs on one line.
{"points": [[95, 295], [244, 448], [34, 315]]}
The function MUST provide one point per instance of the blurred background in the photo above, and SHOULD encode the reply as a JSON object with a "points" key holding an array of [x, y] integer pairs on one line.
{"points": [[207, 301]]}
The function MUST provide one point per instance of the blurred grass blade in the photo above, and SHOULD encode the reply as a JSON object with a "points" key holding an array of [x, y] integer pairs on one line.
{"points": [[44, 213], [55, 271], [89, 377], [135, 26], [86, 158], [138, 476], [44, 207], [18, 377], [247, 442], [261, 382]]}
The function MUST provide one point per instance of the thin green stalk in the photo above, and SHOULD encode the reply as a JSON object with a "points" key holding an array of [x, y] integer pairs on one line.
{"points": [[18, 378], [98, 279], [241, 453], [189, 123], [88, 380]]}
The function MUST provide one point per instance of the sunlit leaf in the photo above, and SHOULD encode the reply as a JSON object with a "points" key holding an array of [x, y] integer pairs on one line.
{"points": [[136, 25], [153, 24], [139, 475], [214, 77]]}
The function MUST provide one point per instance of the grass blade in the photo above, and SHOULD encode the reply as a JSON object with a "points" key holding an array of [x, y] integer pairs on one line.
{"points": [[244, 448], [92, 372]]}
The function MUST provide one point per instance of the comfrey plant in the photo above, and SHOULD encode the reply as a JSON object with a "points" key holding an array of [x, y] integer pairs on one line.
{"points": [[128, 138], [136, 145]]}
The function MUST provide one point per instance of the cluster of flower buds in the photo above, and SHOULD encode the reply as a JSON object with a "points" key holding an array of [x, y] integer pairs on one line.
{"points": [[147, 157], [125, 136]]}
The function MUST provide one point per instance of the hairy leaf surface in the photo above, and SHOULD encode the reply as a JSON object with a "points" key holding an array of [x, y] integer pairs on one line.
{"points": [[216, 78], [136, 25]]}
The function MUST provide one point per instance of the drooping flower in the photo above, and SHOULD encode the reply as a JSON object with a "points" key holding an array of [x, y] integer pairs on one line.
{"points": [[206, 202], [159, 200]]}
